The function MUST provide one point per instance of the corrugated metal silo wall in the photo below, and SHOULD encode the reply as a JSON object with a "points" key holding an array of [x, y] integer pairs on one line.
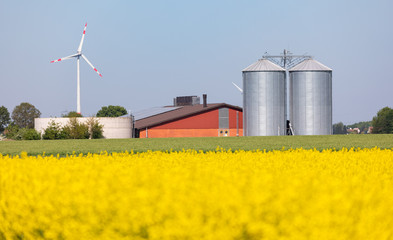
{"points": [[264, 103], [311, 102]]}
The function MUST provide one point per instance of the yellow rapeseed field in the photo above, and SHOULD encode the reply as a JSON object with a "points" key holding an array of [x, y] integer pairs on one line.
{"points": [[287, 194]]}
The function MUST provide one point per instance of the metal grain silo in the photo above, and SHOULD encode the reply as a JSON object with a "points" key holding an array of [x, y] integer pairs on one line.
{"points": [[264, 100], [311, 98]]}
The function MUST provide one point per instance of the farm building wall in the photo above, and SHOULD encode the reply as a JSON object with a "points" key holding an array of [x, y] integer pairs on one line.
{"points": [[201, 125], [119, 127]]}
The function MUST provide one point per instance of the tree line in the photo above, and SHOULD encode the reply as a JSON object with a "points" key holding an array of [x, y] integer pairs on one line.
{"points": [[20, 124], [382, 123]]}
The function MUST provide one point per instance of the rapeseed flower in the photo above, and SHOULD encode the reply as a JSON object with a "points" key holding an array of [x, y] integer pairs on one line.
{"points": [[286, 194]]}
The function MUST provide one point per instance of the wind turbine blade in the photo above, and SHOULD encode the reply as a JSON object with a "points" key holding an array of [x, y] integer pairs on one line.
{"points": [[83, 37], [241, 90], [91, 65], [64, 58]]}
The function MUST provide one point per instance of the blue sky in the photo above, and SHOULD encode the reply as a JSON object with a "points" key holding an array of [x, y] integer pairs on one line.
{"points": [[152, 51]]}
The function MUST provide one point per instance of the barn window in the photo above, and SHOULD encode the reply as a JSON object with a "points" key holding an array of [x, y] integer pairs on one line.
{"points": [[223, 118]]}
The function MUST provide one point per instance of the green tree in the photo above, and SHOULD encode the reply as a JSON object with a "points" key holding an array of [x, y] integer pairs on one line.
{"points": [[339, 128], [383, 122], [72, 114], [112, 111], [4, 118], [24, 114]]}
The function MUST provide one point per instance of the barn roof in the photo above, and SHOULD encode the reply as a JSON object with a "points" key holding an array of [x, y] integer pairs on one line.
{"points": [[179, 113], [138, 115]]}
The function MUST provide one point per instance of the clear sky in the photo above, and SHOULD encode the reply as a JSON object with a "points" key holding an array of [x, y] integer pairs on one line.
{"points": [[152, 51]]}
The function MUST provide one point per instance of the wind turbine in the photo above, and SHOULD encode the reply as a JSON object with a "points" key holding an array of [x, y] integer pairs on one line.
{"points": [[238, 88], [77, 56]]}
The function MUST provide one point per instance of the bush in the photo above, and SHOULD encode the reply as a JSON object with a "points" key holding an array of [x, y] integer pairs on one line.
{"points": [[54, 131], [95, 128], [30, 134], [76, 130], [16, 133], [19, 134], [11, 130]]}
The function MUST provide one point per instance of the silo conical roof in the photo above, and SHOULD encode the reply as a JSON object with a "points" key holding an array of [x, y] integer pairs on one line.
{"points": [[310, 65], [263, 65]]}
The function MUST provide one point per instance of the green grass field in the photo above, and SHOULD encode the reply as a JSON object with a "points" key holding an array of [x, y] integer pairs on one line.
{"points": [[64, 147]]}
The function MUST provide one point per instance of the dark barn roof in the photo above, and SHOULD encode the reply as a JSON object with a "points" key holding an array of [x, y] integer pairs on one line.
{"points": [[179, 113]]}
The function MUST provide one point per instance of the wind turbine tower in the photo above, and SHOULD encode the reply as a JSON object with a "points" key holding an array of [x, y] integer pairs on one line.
{"points": [[78, 55]]}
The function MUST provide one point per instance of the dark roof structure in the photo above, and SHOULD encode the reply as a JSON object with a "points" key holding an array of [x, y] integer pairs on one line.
{"points": [[138, 115], [179, 113]]}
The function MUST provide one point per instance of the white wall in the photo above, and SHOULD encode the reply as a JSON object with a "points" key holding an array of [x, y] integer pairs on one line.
{"points": [[119, 127]]}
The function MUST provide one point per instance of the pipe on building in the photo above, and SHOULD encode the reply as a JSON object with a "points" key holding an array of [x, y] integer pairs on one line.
{"points": [[204, 100], [237, 124]]}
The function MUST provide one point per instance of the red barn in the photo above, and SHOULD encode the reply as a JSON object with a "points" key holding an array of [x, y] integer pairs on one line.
{"points": [[198, 120]]}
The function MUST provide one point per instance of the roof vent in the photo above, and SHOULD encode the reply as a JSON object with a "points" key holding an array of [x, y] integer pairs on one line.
{"points": [[186, 101]]}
